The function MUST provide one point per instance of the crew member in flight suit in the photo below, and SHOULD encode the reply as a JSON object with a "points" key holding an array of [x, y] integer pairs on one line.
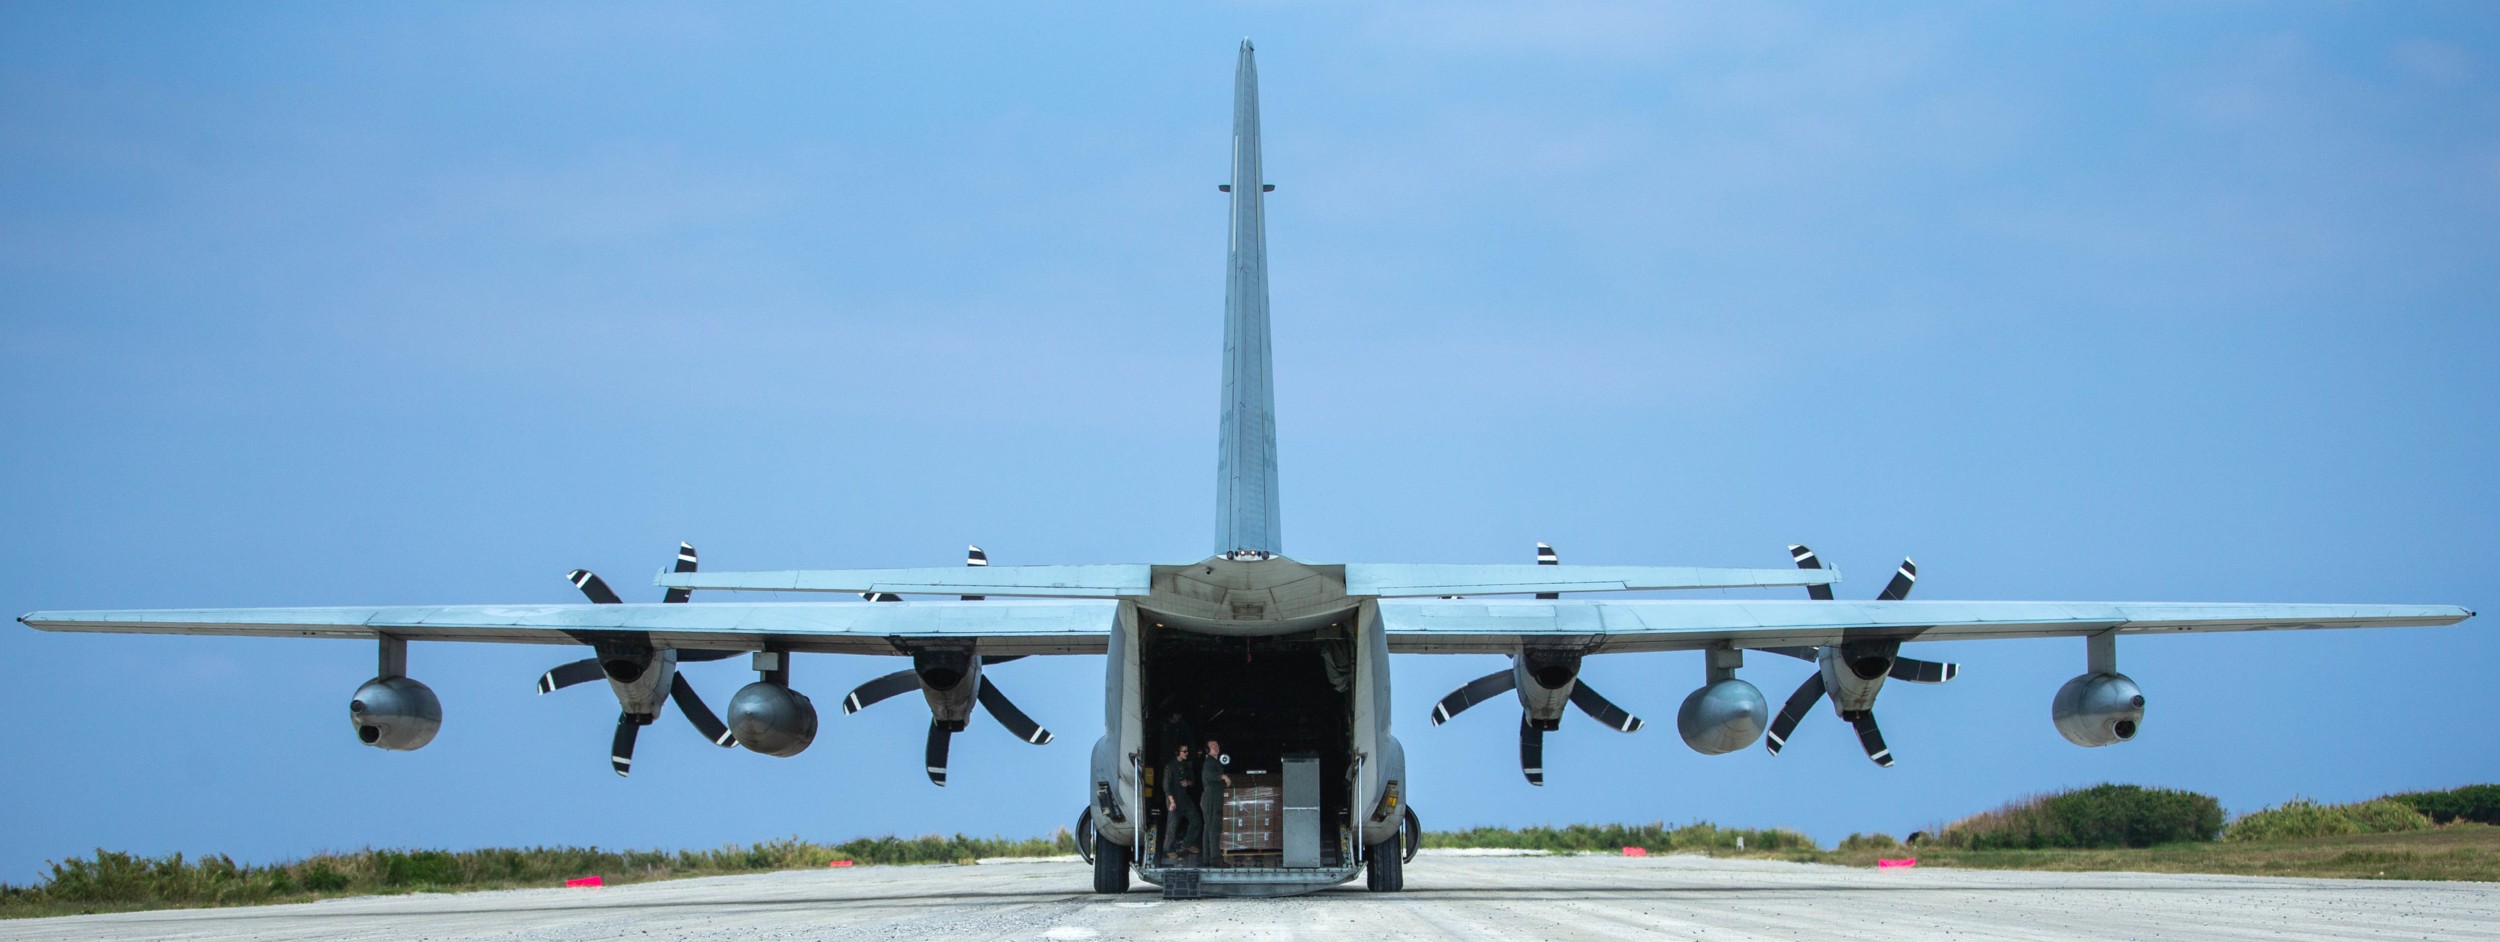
{"points": [[1182, 825], [1211, 784]]}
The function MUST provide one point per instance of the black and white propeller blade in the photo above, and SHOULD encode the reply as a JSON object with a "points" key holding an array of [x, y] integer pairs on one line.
{"points": [[565, 675], [1871, 738], [1793, 711], [593, 586], [1917, 671], [1531, 751], [868, 694], [1005, 712], [1603, 710], [1473, 692], [621, 748], [936, 753], [697, 713]]}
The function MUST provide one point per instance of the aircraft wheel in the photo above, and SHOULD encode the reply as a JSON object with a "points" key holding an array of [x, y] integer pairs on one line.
{"points": [[1385, 872], [1110, 866]]}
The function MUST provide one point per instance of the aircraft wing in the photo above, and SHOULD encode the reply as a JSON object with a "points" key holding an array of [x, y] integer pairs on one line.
{"points": [[998, 627], [1502, 626]]}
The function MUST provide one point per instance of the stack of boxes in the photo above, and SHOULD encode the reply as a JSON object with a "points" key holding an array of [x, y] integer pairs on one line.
{"points": [[1253, 821]]}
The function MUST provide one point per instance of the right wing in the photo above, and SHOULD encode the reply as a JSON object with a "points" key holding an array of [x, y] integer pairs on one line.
{"points": [[995, 627], [1504, 626]]}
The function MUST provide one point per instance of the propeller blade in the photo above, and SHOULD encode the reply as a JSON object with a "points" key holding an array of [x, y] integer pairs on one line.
{"points": [[974, 557], [1476, 691], [1603, 710], [1902, 580], [1802, 654], [1806, 560], [1872, 738], [1010, 717], [1792, 711], [685, 563], [867, 694], [701, 716], [593, 586], [687, 657], [989, 659], [938, 737], [565, 675], [621, 750], [1531, 751], [1924, 672], [1545, 557]]}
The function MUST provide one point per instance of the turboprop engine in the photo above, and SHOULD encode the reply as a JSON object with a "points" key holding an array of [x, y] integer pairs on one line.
{"points": [[1544, 680], [2098, 709], [395, 713]]}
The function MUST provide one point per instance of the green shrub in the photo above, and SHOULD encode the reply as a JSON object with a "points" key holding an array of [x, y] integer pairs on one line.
{"points": [[2293, 820], [2387, 816], [2099, 816], [1864, 842], [2302, 818], [1655, 837], [2477, 803]]}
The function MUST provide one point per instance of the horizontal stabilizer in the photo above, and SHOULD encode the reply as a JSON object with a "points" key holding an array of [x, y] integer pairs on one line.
{"points": [[1053, 582], [1399, 580]]}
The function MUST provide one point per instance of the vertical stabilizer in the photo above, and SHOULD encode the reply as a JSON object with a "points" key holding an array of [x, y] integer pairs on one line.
{"points": [[1245, 463]]}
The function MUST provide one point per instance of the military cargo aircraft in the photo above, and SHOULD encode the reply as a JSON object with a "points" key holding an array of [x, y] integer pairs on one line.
{"points": [[1312, 706]]}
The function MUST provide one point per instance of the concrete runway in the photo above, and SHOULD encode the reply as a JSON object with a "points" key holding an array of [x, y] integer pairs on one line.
{"points": [[1566, 898]]}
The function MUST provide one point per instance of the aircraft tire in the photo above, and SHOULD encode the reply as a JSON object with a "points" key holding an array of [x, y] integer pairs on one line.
{"points": [[1385, 872], [1110, 866]]}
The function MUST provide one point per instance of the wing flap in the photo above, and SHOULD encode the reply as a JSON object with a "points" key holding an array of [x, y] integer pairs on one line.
{"points": [[1400, 580], [1500, 626], [1067, 582]]}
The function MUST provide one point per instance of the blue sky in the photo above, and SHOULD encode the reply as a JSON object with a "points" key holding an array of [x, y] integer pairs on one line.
{"points": [[333, 304]]}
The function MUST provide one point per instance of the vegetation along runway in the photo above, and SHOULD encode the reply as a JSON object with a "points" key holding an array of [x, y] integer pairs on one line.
{"points": [[1448, 896]]}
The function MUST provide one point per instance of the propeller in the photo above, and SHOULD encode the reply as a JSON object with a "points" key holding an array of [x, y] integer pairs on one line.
{"points": [[1870, 662], [629, 725], [1531, 736], [941, 736]]}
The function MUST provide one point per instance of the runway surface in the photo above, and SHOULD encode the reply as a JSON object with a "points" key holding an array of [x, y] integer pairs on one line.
{"points": [[1563, 898]]}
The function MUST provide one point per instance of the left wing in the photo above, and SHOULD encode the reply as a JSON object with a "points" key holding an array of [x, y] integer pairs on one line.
{"points": [[1503, 626], [996, 627]]}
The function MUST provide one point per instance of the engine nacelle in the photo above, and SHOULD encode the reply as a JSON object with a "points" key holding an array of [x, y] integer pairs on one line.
{"points": [[1722, 717], [772, 719], [950, 680], [1543, 678], [395, 713], [2098, 709]]}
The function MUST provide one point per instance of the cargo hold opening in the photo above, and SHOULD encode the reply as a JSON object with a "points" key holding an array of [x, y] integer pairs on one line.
{"points": [[1264, 698]]}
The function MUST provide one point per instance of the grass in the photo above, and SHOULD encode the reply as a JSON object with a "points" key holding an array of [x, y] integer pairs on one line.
{"points": [[2462, 851], [117, 882]]}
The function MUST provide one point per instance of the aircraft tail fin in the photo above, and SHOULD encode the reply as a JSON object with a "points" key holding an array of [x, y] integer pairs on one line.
{"points": [[1245, 465]]}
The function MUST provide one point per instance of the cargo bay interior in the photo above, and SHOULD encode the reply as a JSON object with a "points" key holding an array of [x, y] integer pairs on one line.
{"points": [[1268, 700]]}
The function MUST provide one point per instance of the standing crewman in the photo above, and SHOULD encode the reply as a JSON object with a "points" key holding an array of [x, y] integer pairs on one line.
{"points": [[1211, 784], [1183, 828]]}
